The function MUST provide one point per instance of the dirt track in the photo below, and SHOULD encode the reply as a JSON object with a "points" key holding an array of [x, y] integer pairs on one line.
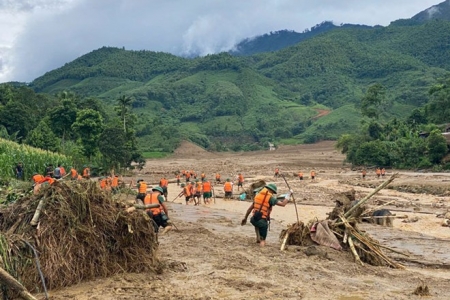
{"points": [[213, 257]]}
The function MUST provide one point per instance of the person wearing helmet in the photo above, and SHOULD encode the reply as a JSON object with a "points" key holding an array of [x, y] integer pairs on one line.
{"points": [[228, 189], [261, 208], [159, 215]]}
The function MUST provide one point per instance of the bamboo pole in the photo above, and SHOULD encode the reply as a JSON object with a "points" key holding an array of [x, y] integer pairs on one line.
{"points": [[355, 254], [362, 201], [295, 205], [37, 213], [11, 282], [283, 244]]}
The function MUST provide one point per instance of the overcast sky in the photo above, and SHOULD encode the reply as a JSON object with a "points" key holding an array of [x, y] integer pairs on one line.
{"points": [[37, 36]]}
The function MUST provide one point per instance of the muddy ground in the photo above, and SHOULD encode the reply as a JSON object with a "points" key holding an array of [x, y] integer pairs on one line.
{"points": [[212, 257]]}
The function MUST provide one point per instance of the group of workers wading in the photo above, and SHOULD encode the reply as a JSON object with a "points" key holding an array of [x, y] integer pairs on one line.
{"points": [[379, 172]]}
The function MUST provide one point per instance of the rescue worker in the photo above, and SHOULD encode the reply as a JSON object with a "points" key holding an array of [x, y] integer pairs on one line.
{"points": [[48, 179], [115, 184], [378, 172], [19, 171], [160, 214], [62, 170], [198, 191], [261, 208], [217, 178], [57, 172], [142, 191], [188, 177], [203, 177], [240, 181], [364, 173], [73, 174], [383, 172], [300, 175], [207, 194], [277, 172], [191, 187], [186, 192], [37, 178], [86, 172], [103, 182], [178, 179], [163, 183], [228, 189], [313, 174], [49, 170]]}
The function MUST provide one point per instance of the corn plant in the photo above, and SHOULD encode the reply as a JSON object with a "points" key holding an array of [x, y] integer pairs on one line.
{"points": [[34, 160]]}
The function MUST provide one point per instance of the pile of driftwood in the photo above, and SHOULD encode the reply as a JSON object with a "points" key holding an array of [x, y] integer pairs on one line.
{"points": [[340, 231], [69, 232]]}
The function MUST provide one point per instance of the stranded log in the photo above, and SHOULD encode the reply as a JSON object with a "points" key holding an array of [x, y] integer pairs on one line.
{"points": [[11, 282]]}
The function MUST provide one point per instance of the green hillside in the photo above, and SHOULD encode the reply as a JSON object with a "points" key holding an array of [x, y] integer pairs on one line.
{"points": [[223, 101]]}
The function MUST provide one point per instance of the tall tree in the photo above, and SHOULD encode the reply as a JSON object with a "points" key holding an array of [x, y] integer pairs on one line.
{"points": [[123, 109], [62, 117], [372, 101], [88, 126], [43, 137]]}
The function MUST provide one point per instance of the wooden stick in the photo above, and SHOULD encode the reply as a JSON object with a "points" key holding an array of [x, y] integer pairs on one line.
{"points": [[283, 244], [379, 188], [11, 282], [295, 205], [355, 254], [382, 217], [37, 213], [145, 206]]}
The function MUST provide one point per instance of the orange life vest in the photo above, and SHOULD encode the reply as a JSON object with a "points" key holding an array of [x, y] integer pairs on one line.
{"points": [[261, 201], [300, 174], [142, 188], [79, 177], [241, 178], [63, 171], [203, 175], [217, 176], [73, 173], [103, 184], [206, 187], [276, 171], [198, 187], [228, 187], [86, 172], [37, 178], [48, 179], [313, 173], [187, 191], [163, 182], [115, 182], [383, 171], [152, 198]]}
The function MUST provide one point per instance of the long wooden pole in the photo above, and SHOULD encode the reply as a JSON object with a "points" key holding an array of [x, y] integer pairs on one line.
{"points": [[11, 282], [362, 201], [292, 195]]}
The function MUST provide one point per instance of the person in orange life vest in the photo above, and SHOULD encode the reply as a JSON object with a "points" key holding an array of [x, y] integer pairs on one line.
{"points": [[364, 172], [198, 192], [160, 214], [193, 174], [103, 183], [261, 208], [240, 181], [188, 177], [207, 194], [48, 179], [277, 172], [79, 177], [300, 175], [313, 174], [62, 170], [192, 189], [178, 179], [115, 184], [164, 183], [383, 172], [203, 177], [186, 192], [37, 178], [217, 178], [142, 191], [86, 172], [228, 189], [73, 173]]}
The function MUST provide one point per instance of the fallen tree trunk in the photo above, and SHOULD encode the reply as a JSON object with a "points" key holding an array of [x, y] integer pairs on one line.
{"points": [[11, 282]]}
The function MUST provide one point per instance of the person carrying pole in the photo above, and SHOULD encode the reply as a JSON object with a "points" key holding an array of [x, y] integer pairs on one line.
{"points": [[261, 208]]}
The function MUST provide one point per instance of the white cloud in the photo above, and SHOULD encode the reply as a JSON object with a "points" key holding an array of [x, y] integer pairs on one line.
{"points": [[37, 36]]}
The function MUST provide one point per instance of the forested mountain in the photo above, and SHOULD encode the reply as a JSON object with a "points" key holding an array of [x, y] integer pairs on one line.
{"points": [[277, 40], [306, 92], [436, 12]]}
